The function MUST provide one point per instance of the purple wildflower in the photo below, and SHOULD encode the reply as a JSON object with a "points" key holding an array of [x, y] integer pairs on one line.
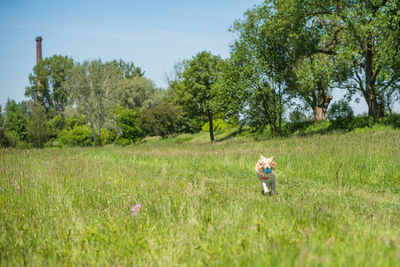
{"points": [[135, 209]]}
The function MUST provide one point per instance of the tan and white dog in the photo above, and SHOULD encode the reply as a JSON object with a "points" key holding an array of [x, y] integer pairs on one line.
{"points": [[265, 169]]}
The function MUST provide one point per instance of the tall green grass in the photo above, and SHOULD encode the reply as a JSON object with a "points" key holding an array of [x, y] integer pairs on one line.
{"points": [[337, 203]]}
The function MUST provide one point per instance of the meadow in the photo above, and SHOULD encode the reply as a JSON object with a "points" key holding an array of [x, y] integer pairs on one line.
{"points": [[337, 203]]}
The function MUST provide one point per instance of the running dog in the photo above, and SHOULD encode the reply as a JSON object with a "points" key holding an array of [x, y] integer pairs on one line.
{"points": [[265, 169]]}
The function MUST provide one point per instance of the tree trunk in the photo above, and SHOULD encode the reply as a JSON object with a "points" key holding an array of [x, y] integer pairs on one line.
{"points": [[98, 131], [370, 94], [210, 121], [321, 108], [93, 133]]}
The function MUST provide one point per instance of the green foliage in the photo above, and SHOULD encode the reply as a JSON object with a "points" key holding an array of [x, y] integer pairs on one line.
{"points": [[260, 62], [319, 127], [58, 122], [218, 125], [351, 123], [123, 141], [38, 131], [15, 124], [92, 85], [128, 70], [391, 120], [163, 120], [370, 45], [79, 135], [3, 140], [195, 90], [52, 73], [128, 122], [75, 120], [137, 92], [340, 110], [107, 136], [297, 116]]}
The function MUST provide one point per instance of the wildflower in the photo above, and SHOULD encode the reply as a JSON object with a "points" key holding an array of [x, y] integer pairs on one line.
{"points": [[135, 209]]}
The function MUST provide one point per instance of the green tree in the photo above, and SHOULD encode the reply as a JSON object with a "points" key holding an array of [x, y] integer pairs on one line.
{"points": [[289, 47], [15, 124], [197, 91], [297, 116], [129, 125], [188, 123], [128, 70], [371, 46], [137, 92], [92, 85], [313, 83], [162, 119], [52, 73], [340, 110], [262, 60], [3, 140], [37, 128]]}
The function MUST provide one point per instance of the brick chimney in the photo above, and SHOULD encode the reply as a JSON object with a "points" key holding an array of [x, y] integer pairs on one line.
{"points": [[38, 49], [38, 59]]}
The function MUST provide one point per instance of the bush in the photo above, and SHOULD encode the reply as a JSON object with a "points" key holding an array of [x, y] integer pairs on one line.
{"points": [[128, 122], [107, 137], [123, 141], [218, 124], [392, 120], [318, 127], [58, 122], [162, 120], [11, 138], [295, 127], [80, 135], [74, 120]]}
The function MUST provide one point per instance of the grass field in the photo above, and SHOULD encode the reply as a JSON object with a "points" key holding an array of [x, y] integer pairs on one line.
{"points": [[337, 203]]}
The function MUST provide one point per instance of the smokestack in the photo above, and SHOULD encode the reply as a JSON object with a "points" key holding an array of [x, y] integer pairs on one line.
{"points": [[38, 59], [38, 49]]}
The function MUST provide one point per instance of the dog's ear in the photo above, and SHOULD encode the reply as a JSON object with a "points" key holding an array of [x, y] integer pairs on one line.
{"points": [[272, 162], [262, 157]]}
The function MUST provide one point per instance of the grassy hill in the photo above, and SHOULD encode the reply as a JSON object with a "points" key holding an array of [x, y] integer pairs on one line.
{"points": [[337, 203]]}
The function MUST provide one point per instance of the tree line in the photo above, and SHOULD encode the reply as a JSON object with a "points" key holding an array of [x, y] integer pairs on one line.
{"points": [[287, 55]]}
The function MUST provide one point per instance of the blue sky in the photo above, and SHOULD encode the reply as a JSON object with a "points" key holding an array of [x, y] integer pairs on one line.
{"points": [[154, 34]]}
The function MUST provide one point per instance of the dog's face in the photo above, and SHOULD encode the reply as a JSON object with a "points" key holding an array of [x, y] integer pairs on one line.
{"points": [[265, 163]]}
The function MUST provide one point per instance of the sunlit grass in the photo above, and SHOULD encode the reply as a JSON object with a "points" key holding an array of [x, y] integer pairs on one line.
{"points": [[337, 203]]}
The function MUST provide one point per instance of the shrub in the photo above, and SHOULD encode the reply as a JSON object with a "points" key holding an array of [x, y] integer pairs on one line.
{"points": [[128, 122], [392, 120], [80, 135], [58, 122], [107, 136], [11, 138], [295, 127], [162, 120], [123, 141], [74, 120], [218, 124], [318, 127]]}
